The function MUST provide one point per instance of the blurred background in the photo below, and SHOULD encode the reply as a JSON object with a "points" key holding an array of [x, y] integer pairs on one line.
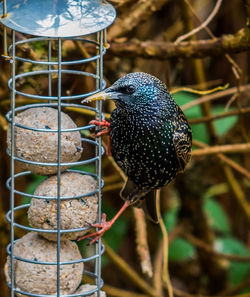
{"points": [[205, 210]]}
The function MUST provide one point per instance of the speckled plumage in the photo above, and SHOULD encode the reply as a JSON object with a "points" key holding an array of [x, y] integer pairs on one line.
{"points": [[150, 136], [150, 140]]}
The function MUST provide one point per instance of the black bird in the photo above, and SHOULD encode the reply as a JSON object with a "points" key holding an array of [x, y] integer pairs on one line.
{"points": [[150, 140]]}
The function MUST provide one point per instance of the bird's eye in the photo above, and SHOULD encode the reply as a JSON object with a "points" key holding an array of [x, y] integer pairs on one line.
{"points": [[130, 89]]}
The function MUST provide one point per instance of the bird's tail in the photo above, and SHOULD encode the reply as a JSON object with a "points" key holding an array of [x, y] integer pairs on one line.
{"points": [[149, 206]]}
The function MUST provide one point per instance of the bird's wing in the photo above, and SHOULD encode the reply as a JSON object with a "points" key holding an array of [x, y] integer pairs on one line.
{"points": [[182, 139], [131, 192]]}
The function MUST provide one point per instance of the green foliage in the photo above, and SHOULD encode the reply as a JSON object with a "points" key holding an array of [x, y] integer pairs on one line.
{"points": [[216, 216], [227, 243], [181, 250], [199, 130], [170, 218], [231, 245], [225, 124], [222, 125]]}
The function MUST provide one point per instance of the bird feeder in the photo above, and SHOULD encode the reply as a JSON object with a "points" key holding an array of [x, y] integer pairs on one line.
{"points": [[44, 140]]}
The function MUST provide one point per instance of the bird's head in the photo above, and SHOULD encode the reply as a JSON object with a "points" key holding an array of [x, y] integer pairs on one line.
{"points": [[136, 90]]}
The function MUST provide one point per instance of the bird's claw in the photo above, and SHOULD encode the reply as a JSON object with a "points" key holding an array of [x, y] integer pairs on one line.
{"points": [[102, 123], [104, 225], [105, 131], [100, 133]]}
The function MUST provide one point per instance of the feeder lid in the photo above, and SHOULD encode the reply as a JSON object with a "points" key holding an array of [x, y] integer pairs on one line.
{"points": [[58, 18]]}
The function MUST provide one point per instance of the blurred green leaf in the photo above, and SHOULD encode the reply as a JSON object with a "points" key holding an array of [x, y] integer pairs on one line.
{"points": [[216, 215], [225, 124], [199, 131], [230, 245], [170, 218], [181, 250], [182, 98]]}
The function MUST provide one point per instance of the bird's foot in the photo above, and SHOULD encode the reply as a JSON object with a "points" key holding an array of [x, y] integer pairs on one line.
{"points": [[105, 131], [102, 123], [104, 225]]}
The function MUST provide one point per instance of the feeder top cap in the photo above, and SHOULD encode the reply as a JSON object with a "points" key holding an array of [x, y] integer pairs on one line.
{"points": [[58, 18]]}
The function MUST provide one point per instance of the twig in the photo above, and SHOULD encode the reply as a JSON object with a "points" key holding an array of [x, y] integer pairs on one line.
{"points": [[109, 179], [234, 165], [180, 293], [227, 148], [236, 289], [225, 159], [219, 116], [199, 92], [129, 272], [215, 96], [207, 248], [141, 10], [231, 43], [165, 273], [157, 277], [141, 242], [86, 112], [235, 68], [238, 192], [210, 33], [203, 25], [115, 292], [112, 187]]}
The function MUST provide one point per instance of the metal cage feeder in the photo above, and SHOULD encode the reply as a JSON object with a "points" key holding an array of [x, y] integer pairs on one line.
{"points": [[51, 24]]}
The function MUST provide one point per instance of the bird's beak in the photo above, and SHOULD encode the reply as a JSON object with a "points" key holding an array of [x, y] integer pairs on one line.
{"points": [[103, 95]]}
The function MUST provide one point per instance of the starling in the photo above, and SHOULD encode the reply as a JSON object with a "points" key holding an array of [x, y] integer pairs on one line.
{"points": [[150, 140]]}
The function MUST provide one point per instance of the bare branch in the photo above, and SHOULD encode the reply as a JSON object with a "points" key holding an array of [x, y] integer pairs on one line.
{"points": [[227, 148], [207, 248], [140, 11], [203, 25], [142, 242], [161, 50], [214, 96]]}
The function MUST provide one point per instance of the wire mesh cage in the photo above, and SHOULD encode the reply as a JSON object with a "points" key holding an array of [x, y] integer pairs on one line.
{"points": [[44, 140]]}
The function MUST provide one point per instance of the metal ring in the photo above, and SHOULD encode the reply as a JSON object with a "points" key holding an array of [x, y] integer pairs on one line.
{"points": [[82, 260], [83, 162], [81, 61], [38, 72], [28, 106], [8, 185], [93, 275]]}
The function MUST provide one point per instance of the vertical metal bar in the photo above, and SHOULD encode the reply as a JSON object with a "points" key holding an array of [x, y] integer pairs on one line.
{"points": [[99, 72], [5, 30], [12, 164], [49, 69], [59, 163], [4, 8]]}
